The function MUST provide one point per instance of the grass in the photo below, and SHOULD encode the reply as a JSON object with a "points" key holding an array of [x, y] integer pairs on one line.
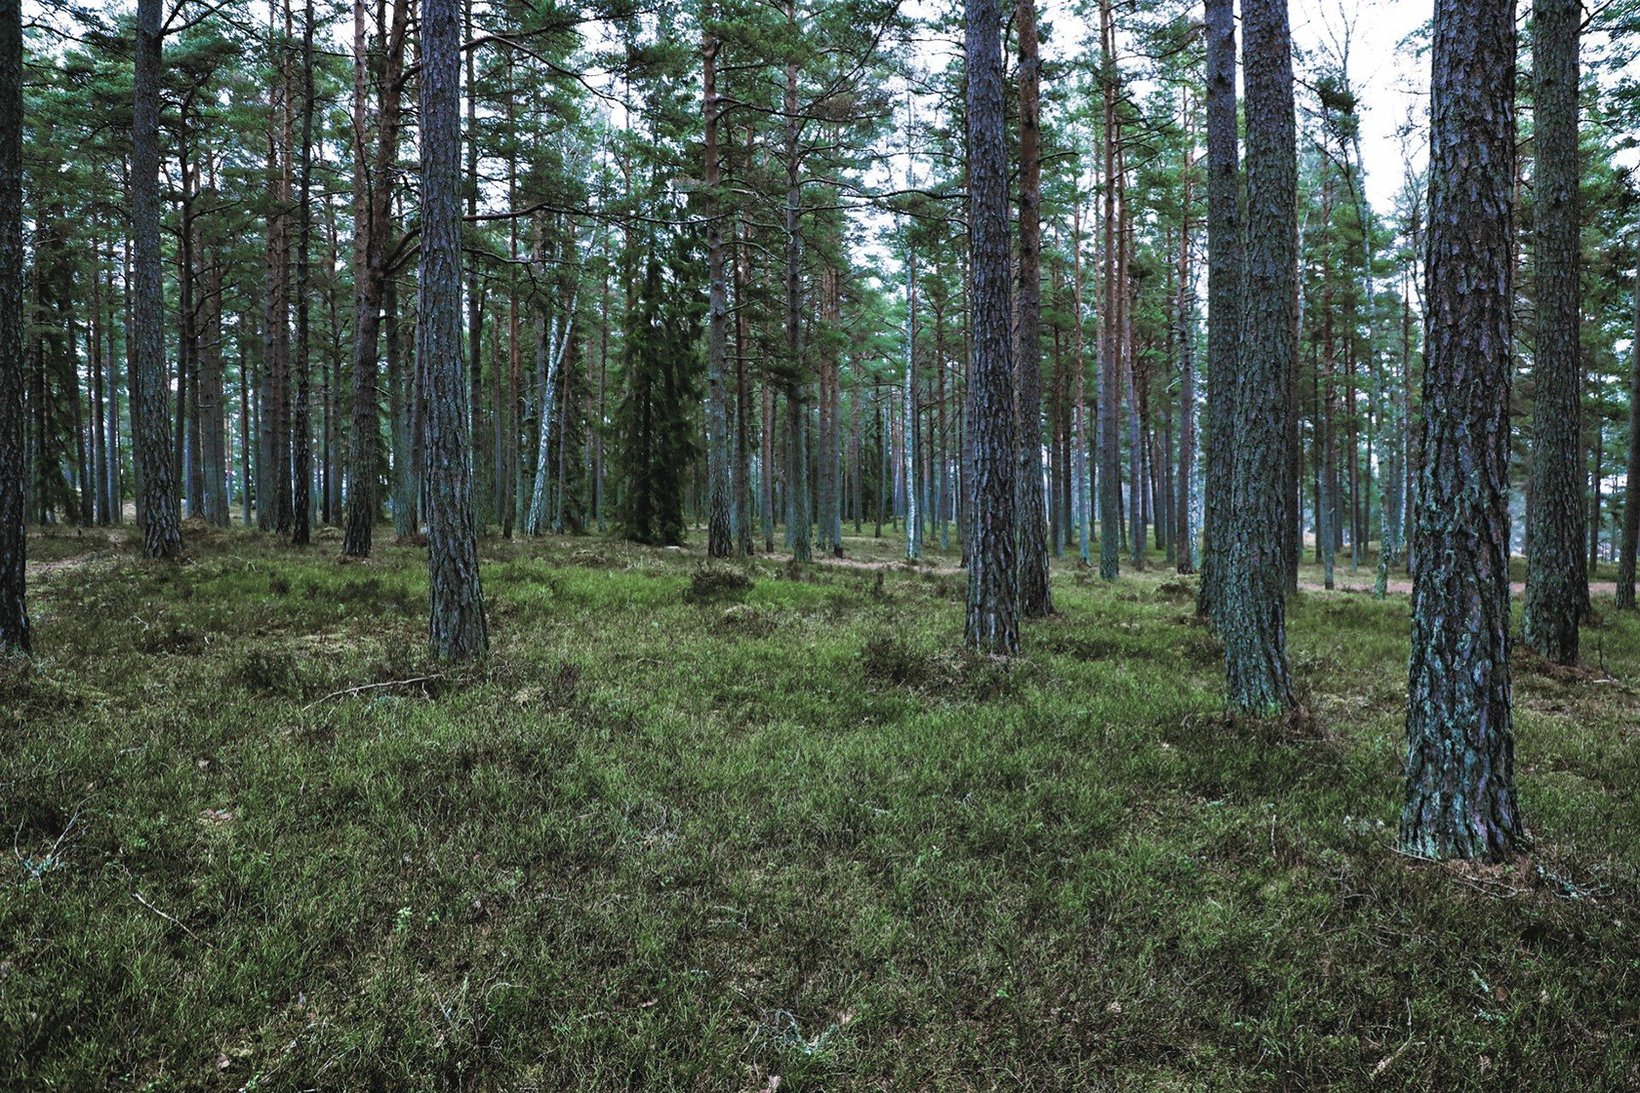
{"points": [[689, 832]]}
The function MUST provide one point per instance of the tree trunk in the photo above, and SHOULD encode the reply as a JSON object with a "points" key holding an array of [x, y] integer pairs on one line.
{"points": [[456, 626], [1110, 473], [797, 451], [1460, 795], [1035, 593], [14, 625], [1631, 489], [1252, 620], [1184, 537], [373, 201], [159, 516], [1224, 270], [300, 427], [1557, 581], [992, 624]]}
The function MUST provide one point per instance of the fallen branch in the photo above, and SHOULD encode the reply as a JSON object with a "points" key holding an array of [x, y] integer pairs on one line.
{"points": [[363, 687], [170, 918]]}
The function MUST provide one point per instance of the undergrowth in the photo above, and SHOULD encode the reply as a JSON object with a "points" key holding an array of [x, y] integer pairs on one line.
{"points": [[696, 828]]}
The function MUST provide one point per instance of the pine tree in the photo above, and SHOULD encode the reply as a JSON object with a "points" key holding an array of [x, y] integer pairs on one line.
{"points": [[993, 574], [656, 423], [14, 628], [158, 512], [1252, 618], [1460, 792], [456, 624], [1557, 583]]}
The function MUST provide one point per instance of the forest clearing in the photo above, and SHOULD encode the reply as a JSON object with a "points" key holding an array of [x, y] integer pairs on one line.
{"points": [[684, 833]]}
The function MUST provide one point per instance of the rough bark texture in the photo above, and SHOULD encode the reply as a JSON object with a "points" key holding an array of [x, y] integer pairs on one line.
{"points": [[14, 632], [160, 518], [1223, 296], [1251, 618], [1035, 595], [456, 618], [1557, 581], [1460, 797], [993, 574], [719, 526]]}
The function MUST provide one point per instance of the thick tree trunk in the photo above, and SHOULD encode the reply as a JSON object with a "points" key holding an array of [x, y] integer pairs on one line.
{"points": [[1252, 620], [159, 516], [992, 624], [1460, 795], [456, 626], [14, 624], [1557, 582]]}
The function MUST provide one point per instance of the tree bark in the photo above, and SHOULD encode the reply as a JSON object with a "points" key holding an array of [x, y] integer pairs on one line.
{"points": [[1110, 473], [1224, 269], [1252, 620], [719, 521], [992, 624], [159, 516], [1035, 593], [1557, 582], [14, 623], [1460, 796], [373, 202], [456, 625]]}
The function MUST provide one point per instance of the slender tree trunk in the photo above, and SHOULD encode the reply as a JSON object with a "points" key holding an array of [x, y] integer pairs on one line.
{"points": [[456, 626], [992, 624], [797, 461], [1631, 488], [1224, 271], [1460, 795], [373, 201], [1557, 581], [1184, 535], [719, 521], [300, 426], [1252, 622], [1035, 592], [1110, 366]]}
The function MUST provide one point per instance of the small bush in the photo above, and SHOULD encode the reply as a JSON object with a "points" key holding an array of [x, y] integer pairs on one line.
{"points": [[712, 584], [170, 639], [744, 620], [267, 672], [888, 659]]}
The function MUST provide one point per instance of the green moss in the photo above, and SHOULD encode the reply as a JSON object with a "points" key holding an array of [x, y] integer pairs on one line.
{"points": [[651, 845]]}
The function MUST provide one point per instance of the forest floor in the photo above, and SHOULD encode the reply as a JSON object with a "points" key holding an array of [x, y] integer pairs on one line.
{"points": [[684, 831]]}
